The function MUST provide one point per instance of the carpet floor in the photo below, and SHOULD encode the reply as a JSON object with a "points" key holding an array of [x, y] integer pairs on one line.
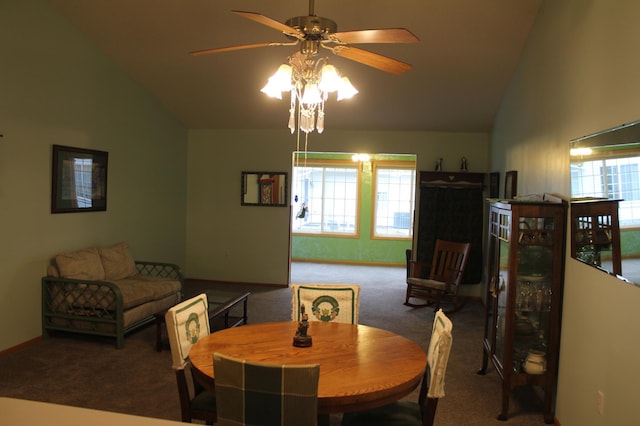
{"points": [[89, 372]]}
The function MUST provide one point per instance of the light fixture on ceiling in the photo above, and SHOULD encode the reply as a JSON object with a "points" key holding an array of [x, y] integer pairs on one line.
{"points": [[309, 79], [360, 157], [575, 152]]}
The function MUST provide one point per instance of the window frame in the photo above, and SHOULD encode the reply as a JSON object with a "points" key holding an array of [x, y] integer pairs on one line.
{"points": [[602, 157], [392, 165], [300, 162]]}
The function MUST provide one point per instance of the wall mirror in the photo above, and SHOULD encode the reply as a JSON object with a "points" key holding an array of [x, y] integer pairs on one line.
{"points": [[263, 189], [605, 193]]}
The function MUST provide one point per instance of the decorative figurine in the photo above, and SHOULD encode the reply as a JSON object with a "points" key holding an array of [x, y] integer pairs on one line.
{"points": [[302, 339], [439, 164], [303, 211]]}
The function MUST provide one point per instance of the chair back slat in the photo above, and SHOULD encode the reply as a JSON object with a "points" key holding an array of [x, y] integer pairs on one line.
{"points": [[449, 262]]}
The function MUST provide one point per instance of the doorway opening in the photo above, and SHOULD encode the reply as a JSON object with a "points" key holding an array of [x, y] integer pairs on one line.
{"points": [[352, 208]]}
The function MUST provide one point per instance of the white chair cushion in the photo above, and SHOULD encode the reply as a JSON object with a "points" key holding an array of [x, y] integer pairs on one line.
{"points": [[427, 284], [438, 353], [326, 302], [186, 323]]}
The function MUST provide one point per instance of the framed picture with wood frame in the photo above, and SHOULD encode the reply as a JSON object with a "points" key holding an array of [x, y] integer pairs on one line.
{"points": [[79, 180], [510, 184]]}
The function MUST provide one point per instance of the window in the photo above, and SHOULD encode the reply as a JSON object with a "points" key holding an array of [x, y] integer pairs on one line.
{"points": [[82, 172], [327, 199], [394, 201], [613, 178]]}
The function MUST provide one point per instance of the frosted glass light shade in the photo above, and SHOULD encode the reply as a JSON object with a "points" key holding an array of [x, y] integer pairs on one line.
{"points": [[278, 82], [329, 80], [311, 94], [346, 89]]}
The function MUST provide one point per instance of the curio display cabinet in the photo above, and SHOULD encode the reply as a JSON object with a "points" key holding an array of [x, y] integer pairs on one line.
{"points": [[525, 268]]}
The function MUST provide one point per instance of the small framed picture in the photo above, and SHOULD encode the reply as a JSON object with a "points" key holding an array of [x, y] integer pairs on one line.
{"points": [[79, 180], [494, 184], [510, 184]]}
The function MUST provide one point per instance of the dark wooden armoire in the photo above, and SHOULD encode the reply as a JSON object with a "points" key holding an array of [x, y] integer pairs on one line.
{"points": [[451, 208]]}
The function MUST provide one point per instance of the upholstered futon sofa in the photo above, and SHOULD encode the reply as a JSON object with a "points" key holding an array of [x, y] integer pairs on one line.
{"points": [[104, 291]]}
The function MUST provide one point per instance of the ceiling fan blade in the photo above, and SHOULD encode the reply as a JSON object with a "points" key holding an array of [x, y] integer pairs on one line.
{"points": [[272, 23], [388, 35], [239, 47], [374, 60]]}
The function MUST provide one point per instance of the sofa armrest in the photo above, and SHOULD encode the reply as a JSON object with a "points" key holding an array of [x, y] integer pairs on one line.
{"points": [[86, 298], [160, 269]]}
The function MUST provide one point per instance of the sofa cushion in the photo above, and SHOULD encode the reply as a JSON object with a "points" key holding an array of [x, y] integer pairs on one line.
{"points": [[134, 293], [160, 287], [82, 265], [117, 261], [52, 271]]}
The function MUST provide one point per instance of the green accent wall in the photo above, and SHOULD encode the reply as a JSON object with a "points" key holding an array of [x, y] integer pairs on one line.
{"points": [[629, 245], [630, 242], [362, 249]]}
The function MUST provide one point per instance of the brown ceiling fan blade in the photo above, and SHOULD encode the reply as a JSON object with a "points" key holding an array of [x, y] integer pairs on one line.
{"points": [[388, 35], [239, 47], [374, 60], [272, 23]]}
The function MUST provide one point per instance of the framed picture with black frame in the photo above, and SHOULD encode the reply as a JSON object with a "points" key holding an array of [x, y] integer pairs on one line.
{"points": [[79, 180], [494, 184]]}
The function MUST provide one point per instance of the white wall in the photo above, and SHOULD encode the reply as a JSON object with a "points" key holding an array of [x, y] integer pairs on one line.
{"points": [[56, 88], [579, 74], [230, 242]]}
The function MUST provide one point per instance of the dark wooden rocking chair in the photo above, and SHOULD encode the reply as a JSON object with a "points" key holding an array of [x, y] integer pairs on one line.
{"points": [[430, 283]]}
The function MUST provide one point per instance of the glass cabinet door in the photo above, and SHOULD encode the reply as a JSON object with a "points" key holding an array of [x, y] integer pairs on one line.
{"points": [[533, 289], [500, 246], [501, 300]]}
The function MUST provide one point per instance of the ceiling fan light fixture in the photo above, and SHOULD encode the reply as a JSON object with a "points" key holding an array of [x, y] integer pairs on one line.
{"points": [[310, 80]]}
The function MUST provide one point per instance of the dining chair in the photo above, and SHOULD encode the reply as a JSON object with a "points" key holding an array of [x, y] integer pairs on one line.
{"points": [[326, 302], [186, 323], [252, 394], [421, 413], [431, 283]]}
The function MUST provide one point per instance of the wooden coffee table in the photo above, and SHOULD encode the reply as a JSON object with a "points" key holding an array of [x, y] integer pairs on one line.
{"points": [[361, 367]]}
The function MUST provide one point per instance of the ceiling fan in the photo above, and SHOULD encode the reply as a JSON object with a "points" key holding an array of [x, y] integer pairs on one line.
{"points": [[313, 32]]}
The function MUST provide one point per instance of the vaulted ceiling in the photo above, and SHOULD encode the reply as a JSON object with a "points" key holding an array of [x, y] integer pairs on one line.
{"points": [[467, 54]]}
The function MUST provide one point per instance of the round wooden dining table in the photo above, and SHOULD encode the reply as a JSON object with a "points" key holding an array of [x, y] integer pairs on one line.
{"points": [[361, 367]]}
